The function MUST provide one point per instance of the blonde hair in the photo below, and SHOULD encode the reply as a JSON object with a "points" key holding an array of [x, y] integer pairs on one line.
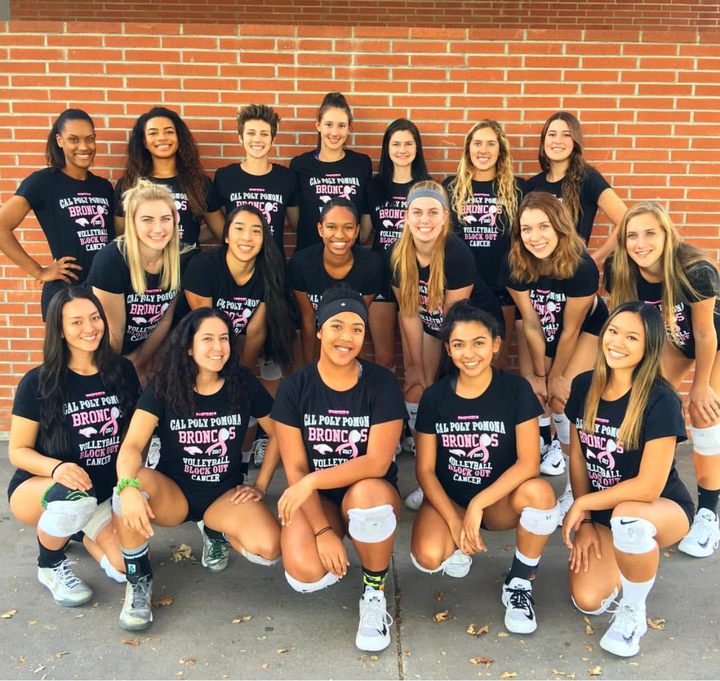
{"points": [[129, 245], [677, 259], [461, 186], [404, 260], [645, 376], [565, 260]]}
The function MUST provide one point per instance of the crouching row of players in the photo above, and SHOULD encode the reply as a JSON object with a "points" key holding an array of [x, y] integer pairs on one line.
{"points": [[336, 424]]}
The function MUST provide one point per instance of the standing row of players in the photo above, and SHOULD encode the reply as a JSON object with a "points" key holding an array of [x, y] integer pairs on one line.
{"points": [[549, 277]]}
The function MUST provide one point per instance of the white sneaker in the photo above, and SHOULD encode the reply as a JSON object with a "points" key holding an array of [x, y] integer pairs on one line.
{"points": [[457, 565], [414, 500], [518, 601], [553, 461], [66, 588], [565, 501], [407, 443], [627, 626], [704, 535], [257, 451], [136, 613], [373, 632], [153, 455], [215, 553]]}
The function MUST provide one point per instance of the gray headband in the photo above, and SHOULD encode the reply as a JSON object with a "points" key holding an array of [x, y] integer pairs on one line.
{"points": [[429, 192], [341, 305]]}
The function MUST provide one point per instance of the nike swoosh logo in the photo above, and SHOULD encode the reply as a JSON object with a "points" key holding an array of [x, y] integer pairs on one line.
{"points": [[627, 522], [704, 544], [628, 639]]}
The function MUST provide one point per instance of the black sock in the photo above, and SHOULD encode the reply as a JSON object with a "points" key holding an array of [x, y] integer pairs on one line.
{"points": [[375, 580], [708, 498], [545, 434], [50, 558], [137, 563], [214, 534], [521, 570]]}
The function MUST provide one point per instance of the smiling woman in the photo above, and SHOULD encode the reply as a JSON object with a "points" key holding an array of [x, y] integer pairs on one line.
{"points": [[73, 206]]}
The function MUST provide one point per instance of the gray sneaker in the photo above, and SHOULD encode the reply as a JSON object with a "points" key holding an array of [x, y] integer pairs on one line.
{"points": [[215, 555], [136, 613], [257, 451], [66, 588]]}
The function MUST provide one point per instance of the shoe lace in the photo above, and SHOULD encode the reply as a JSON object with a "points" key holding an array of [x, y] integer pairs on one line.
{"points": [[66, 575], [217, 550], [624, 618], [521, 599], [140, 593], [701, 528], [375, 616]]}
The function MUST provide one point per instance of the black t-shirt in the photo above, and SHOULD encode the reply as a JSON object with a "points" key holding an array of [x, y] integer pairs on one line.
{"points": [[608, 463], [307, 273], [387, 211], [485, 227], [189, 227], [204, 453], [94, 419], [75, 215], [459, 272], [208, 276], [703, 277], [549, 296], [475, 438], [143, 312], [335, 425], [593, 185], [271, 193], [320, 181]]}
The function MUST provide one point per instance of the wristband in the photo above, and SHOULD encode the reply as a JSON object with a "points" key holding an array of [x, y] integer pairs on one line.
{"points": [[54, 469], [264, 491], [324, 529], [127, 482], [539, 375]]}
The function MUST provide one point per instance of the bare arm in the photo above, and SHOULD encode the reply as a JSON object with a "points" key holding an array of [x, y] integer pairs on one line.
{"points": [[272, 454], [144, 354], [307, 327], [119, 224], [195, 301], [366, 228], [614, 207], [216, 221], [114, 307], [702, 395], [255, 335]]}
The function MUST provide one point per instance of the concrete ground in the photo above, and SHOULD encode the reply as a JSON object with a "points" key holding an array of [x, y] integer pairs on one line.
{"points": [[284, 635]]}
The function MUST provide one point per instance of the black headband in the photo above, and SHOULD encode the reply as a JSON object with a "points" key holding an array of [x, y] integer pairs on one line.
{"points": [[341, 305]]}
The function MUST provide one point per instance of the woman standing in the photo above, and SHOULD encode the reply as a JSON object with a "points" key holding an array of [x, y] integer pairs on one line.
{"points": [[69, 417], [485, 197], [163, 150], [653, 264], [330, 170], [200, 402], [338, 423], [567, 175], [72, 205], [629, 500]]}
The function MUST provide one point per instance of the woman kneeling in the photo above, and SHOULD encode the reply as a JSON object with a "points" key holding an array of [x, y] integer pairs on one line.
{"points": [[200, 401], [629, 500], [478, 457], [338, 423]]}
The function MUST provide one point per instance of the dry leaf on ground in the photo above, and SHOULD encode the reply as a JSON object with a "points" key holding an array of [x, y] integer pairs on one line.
{"points": [[481, 660], [589, 630], [477, 631], [163, 600], [190, 660], [565, 674], [595, 671], [182, 552], [130, 641], [443, 616], [61, 654], [439, 596], [8, 614], [242, 618], [656, 624], [280, 651], [589, 648], [503, 634], [508, 675]]}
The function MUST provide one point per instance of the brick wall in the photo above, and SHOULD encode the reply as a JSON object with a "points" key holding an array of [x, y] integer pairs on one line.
{"points": [[648, 100], [456, 13]]}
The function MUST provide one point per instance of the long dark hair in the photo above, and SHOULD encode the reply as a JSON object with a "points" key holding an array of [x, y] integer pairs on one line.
{"points": [[190, 174], [175, 380], [279, 320], [462, 311], [418, 169], [52, 382], [53, 153]]}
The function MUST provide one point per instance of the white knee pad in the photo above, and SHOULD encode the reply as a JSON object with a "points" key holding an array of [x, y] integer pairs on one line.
{"points": [[116, 504], [633, 535], [562, 428], [540, 521], [101, 517], [259, 560], [63, 518], [604, 604], [706, 441], [372, 525], [412, 410], [269, 370], [424, 569], [328, 579]]}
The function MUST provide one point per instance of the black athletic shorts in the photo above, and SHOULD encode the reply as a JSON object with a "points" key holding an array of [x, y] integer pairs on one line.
{"points": [[338, 494]]}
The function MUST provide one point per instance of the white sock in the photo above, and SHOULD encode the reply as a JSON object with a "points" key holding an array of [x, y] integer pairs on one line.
{"points": [[111, 572], [636, 592], [532, 562]]}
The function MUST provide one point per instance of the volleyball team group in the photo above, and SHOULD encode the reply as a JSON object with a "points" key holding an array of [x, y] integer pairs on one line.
{"points": [[168, 367]]}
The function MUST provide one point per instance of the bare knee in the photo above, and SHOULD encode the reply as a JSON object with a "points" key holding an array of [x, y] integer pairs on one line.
{"points": [[368, 493], [428, 555], [536, 493], [589, 600]]}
